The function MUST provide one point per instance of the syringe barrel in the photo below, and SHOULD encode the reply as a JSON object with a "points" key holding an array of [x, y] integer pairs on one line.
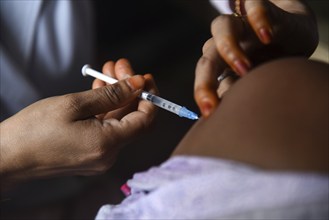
{"points": [[160, 102], [156, 100]]}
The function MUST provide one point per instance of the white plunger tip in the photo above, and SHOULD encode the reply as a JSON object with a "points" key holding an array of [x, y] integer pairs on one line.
{"points": [[84, 69]]}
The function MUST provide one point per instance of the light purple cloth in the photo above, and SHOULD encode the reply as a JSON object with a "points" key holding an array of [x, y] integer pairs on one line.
{"points": [[205, 188]]}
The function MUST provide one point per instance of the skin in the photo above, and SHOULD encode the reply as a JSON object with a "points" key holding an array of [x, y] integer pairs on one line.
{"points": [[268, 30], [274, 118], [76, 134]]}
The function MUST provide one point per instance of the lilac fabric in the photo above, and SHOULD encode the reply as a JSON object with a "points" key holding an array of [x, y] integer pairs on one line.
{"points": [[206, 188]]}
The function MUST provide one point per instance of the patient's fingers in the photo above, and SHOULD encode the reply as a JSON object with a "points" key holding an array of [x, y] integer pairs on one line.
{"points": [[258, 17], [228, 31], [209, 43], [207, 70], [224, 86]]}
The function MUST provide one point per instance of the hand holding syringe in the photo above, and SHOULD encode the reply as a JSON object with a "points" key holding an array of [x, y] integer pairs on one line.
{"points": [[156, 100]]}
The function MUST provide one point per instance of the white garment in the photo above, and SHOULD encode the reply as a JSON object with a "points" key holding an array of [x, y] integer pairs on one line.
{"points": [[187, 187], [222, 6], [43, 46]]}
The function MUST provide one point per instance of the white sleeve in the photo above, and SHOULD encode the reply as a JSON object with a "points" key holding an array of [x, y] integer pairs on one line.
{"points": [[18, 21], [222, 6], [43, 45]]}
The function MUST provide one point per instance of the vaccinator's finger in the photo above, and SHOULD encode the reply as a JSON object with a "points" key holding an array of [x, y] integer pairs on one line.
{"points": [[98, 83], [108, 69], [123, 69]]}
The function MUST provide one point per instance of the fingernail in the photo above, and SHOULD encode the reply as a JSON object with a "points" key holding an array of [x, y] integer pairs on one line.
{"points": [[206, 109], [241, 67], [265, 35], [136, 82]]}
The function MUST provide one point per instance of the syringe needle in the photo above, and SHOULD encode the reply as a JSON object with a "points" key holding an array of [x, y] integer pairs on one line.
{"points": [[156, 100]]}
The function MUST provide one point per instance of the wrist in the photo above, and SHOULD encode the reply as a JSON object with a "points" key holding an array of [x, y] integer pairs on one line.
{"points": [[12, 162]]}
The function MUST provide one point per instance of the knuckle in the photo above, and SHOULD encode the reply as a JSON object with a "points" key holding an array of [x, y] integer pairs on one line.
{"points": [[219, 20], [99, 152], [95, 144], [215, 21], [104, 161], [207, 44], [199, 92], [72, 103], [114, 94], [227, 48], [107, 65], [143, 126], [102, 167], [100, 149], [258, 14], [225, 43], [205, 62]]}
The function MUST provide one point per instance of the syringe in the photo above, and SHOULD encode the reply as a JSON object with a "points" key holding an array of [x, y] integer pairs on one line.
{"points": [[156, 100]]}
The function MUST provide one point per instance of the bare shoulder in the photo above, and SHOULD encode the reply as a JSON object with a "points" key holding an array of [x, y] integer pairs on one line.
{"points": [[276, 117]]}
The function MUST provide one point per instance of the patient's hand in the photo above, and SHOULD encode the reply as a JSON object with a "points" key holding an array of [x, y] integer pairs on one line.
{"points": [[269, 30]]}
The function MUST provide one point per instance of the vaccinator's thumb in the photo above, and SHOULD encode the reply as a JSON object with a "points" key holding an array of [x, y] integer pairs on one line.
{"points": [[107, 98]]}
